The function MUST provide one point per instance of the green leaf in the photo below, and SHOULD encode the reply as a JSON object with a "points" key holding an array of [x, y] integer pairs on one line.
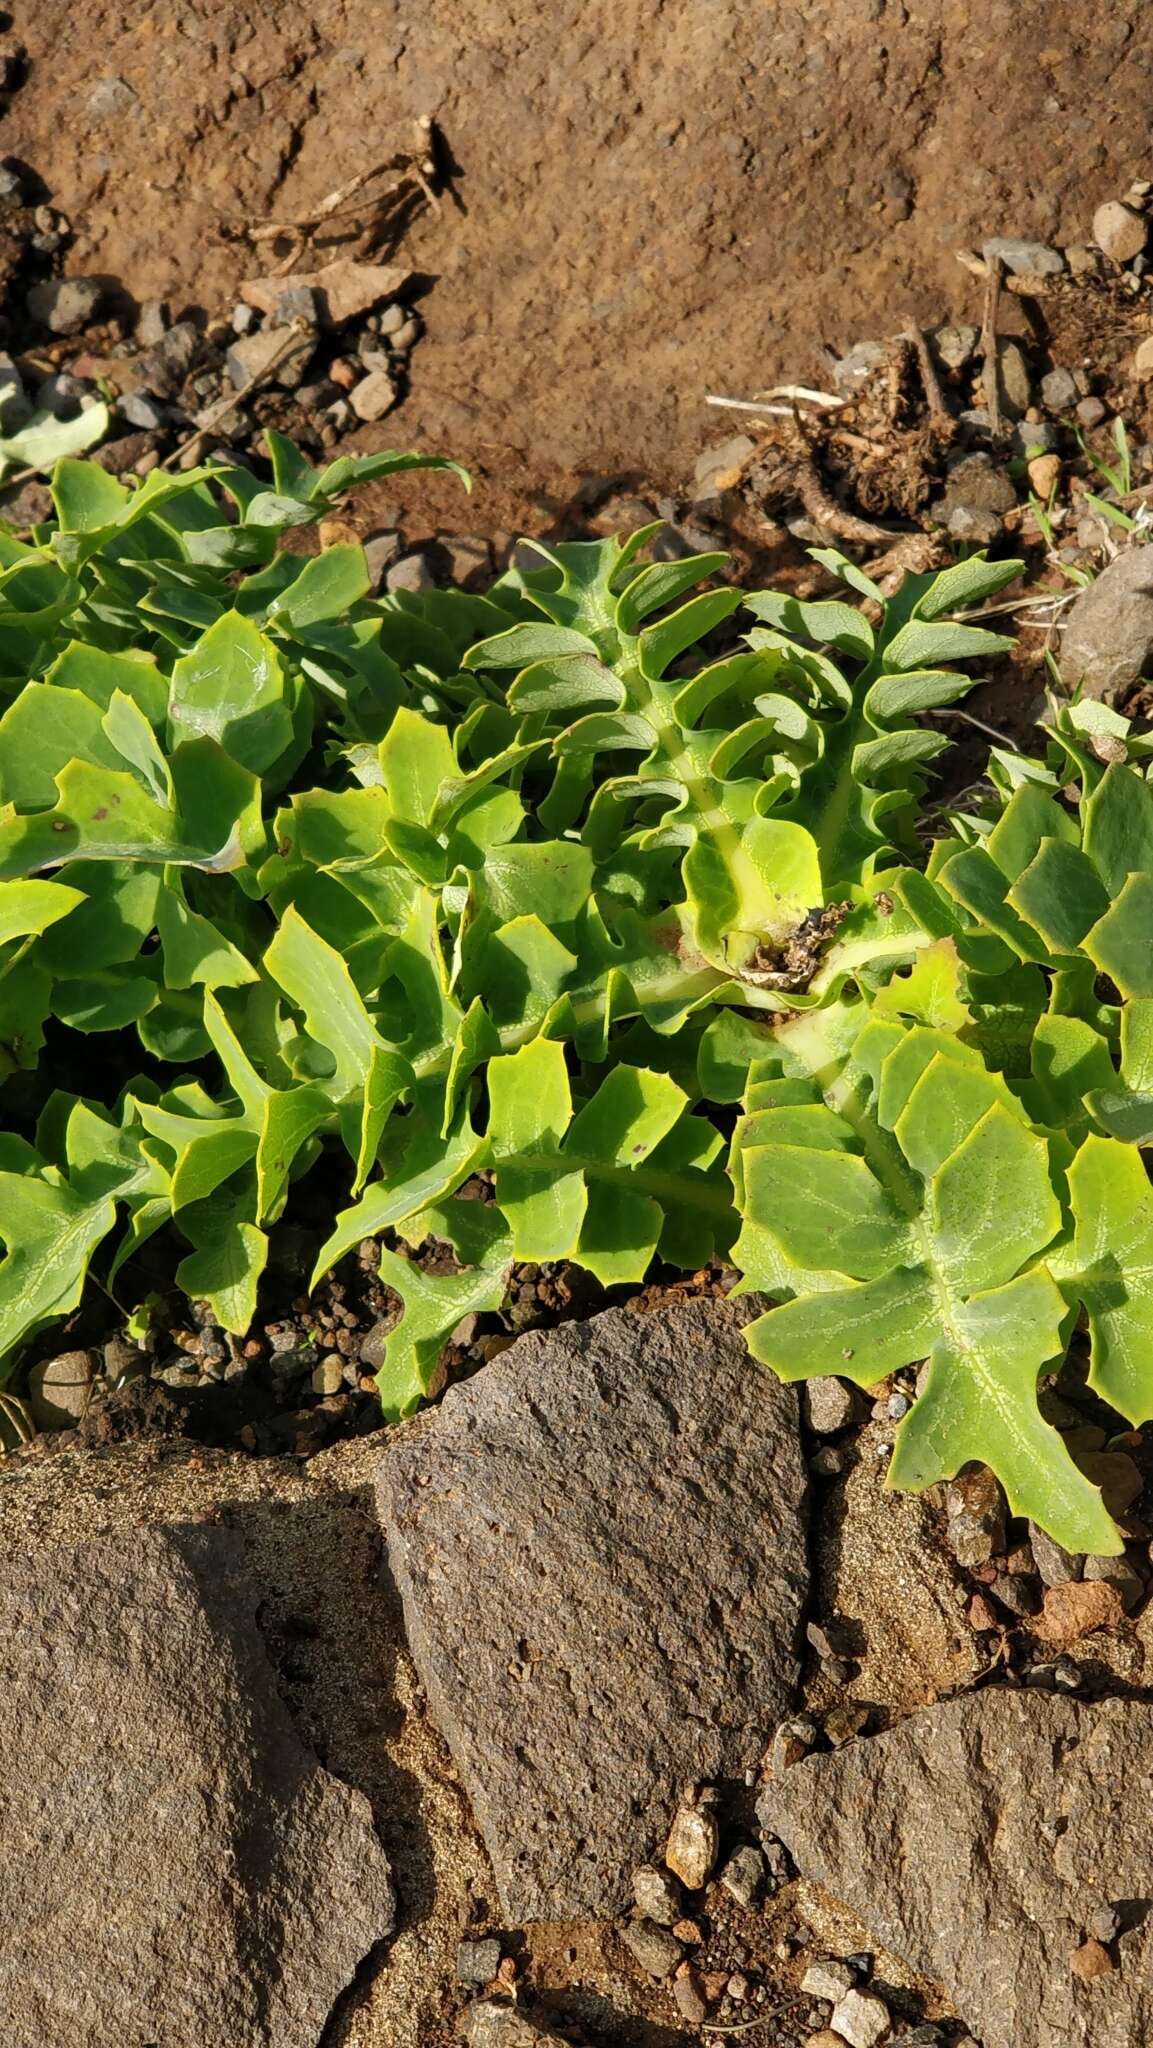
{"points": [[539, 1192], [30, 907], [228, 1258], [327, 587], [1121, 942], [1109, 1268], [922, 644], [942, 1239], [49, 1234], [1118, 827], [195, 952], [43, 729], [315, 979], [45, 440], [231, 688]]}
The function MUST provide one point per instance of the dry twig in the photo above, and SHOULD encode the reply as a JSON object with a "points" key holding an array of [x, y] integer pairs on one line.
{"points": [[992, 368]]}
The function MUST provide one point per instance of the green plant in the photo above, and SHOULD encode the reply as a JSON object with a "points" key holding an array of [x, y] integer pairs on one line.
{"points": [[520, 899]]}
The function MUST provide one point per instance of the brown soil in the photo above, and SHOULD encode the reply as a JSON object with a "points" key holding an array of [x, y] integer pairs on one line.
{"points": [[652, 201]]}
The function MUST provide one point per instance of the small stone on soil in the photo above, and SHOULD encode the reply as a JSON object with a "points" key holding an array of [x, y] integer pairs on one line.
{"points": [[689, 2000], [694, 1838], [845, 1721], [975, 1518], [1105, 1924], [1016, 384], [374, 396], [60, 1390], [861, 2019], [65, 305], [743, 1875], [656, 1950], [412, 572], [253, 355], [657, 1893], [1056, 1566], [1119, 231], [829, 1980], [1025, 259], [1058, 391]]}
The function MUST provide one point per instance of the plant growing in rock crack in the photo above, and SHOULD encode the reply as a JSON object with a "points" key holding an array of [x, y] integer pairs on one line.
{"points": [[519, 900]]}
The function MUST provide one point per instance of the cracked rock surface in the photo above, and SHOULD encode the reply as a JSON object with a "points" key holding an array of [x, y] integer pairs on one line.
{"points": [[978, 1839], [176, 1866], [600, 1546]]}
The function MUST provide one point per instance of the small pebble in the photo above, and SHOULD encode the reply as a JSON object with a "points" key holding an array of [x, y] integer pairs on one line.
{"points": [[829, 1405], [656, 1950], [1059, 391], [412, 572], [690, 1932], [845, 1721], [374, 396], [743, 1876], [657, 1893], [694, 1838], [64, 305], [689, 1998], [1105, 1924], [975, 1518], [830, 1638], [955, 346], [829, 1461], [1017, 1592], [1142, 364], [1090, 412], [861, 2019], [1119, 231], [1025, 259], [830, 1980]]}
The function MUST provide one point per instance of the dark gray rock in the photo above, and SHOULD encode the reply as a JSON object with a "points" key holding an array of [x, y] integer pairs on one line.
{"points": [[1107, 645], [975, 486], [277, 355], [656, 1950], [175, 1864], [65, 304], [164, 368], [977, 1839], [412, 572], [599, 1542], [1059, 391], [1025, 259]]}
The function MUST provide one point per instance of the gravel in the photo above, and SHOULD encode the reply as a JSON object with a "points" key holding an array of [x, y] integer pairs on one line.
{"points": [[65, 305]]}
